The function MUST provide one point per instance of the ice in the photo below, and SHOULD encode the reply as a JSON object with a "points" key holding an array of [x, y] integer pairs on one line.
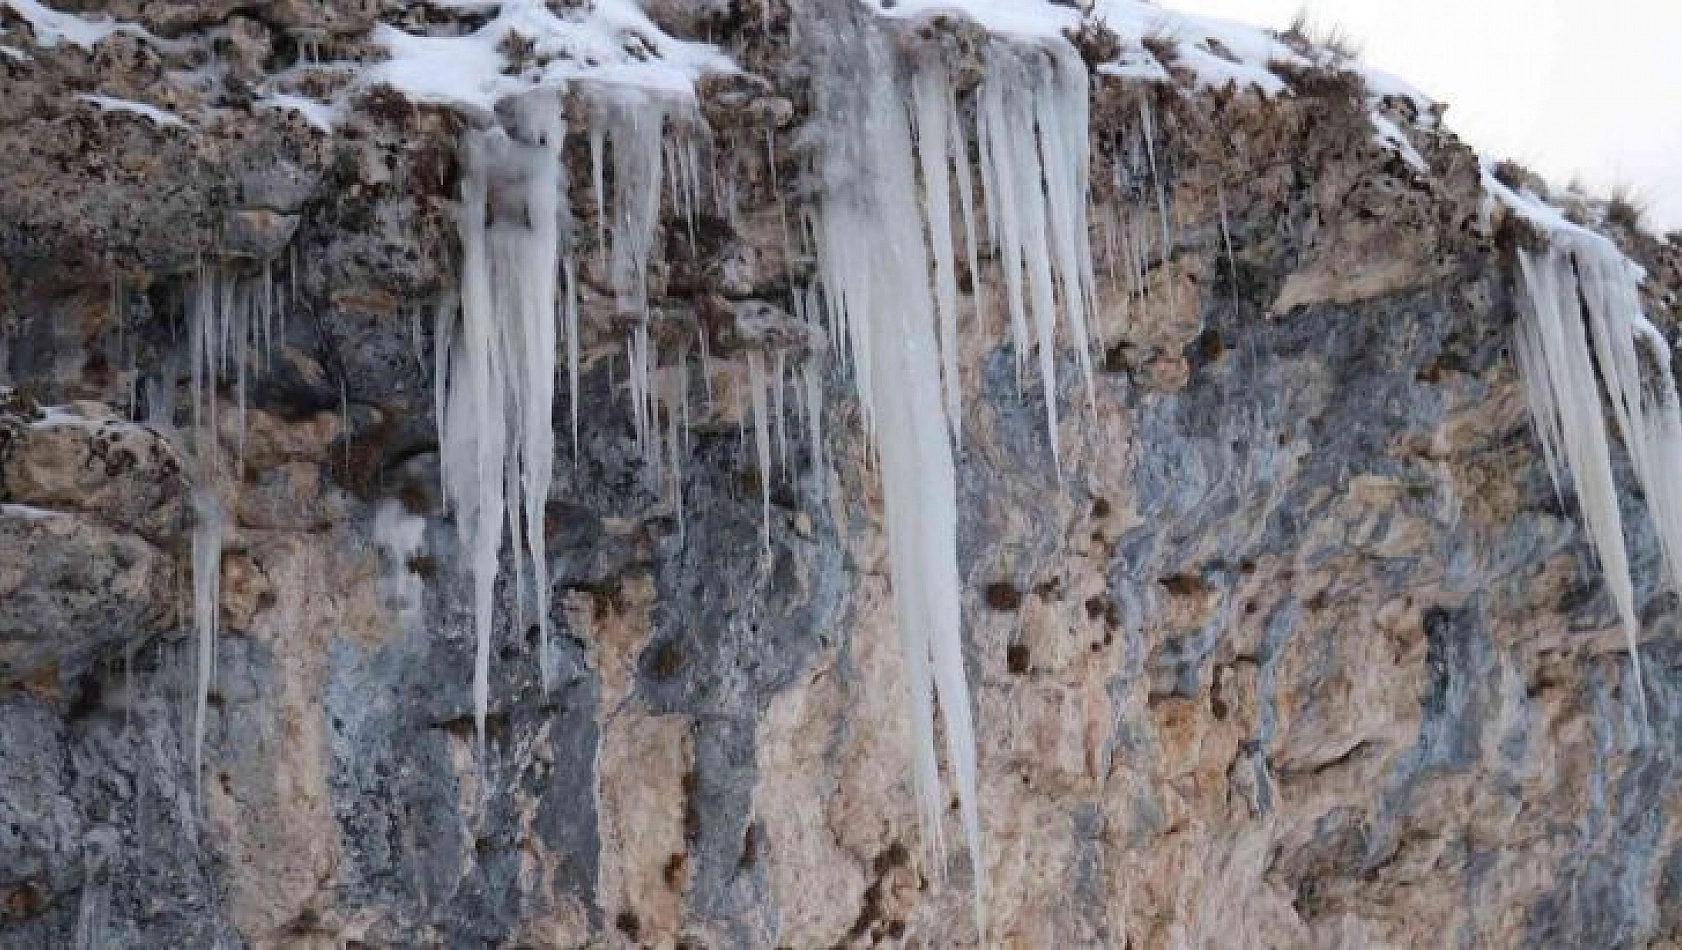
{"points": [[931, 93], [208, 524], [876, 271], [498, 366], [399, 536], [1582, 329], [1032, 120], [761, 438]]}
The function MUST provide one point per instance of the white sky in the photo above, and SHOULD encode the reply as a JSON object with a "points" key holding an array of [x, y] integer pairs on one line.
{"points": [[1587, 89]]}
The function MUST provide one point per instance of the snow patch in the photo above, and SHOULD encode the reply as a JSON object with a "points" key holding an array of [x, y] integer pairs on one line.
{"points": [[611, 41], [1014, 18], [29, 512], [322, 115], [162, 117], [52, 27]]}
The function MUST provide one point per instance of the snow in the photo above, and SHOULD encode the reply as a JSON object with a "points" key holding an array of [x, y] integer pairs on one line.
{"points": [[610, 41], [28, 512], [1199, 42], [1390, 135], [162, 117], [52, 27], [1016, 18], [322, 115]]}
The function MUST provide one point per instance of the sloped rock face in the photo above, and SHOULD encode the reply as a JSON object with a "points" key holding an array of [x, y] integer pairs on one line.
{"points": [[1301, 649]]}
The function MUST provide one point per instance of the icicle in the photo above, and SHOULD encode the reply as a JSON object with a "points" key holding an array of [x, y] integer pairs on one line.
{"points": [[598, 146], [966, 203], [875, 271], [706, 368], [777, 377], [207, 578], [777, 192], [571, 272], [1161, 205], [1226, 238], [1554, 362], [814, 422], [1040, 195], [930, 93], [497, 375], [761, 437]]}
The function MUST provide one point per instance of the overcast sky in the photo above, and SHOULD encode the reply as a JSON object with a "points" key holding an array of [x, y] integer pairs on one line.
{"points": [[1590, 89]]}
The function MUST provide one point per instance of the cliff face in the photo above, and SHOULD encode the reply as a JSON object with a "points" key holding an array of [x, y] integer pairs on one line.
{"points": [[1300, 648]]}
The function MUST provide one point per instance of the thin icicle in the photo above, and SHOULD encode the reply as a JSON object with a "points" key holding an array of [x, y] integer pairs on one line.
{"points": [[931, 89], [814, 423], [571, 272], [207, 582], [761, 437], [1147, 119], [778, 375], [1226, 237]]}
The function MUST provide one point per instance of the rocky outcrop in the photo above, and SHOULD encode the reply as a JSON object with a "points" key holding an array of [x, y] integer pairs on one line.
{"points": [[1301, 650]]}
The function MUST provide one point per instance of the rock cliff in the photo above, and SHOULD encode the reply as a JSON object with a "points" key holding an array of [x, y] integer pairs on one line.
{"points": [[1296, 644]]}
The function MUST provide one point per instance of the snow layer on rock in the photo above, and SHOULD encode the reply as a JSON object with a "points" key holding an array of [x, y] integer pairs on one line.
{"points": [[52, 27], [1217, 51], [322, 115], [111, 104], [610, 41], [1017, 18]]}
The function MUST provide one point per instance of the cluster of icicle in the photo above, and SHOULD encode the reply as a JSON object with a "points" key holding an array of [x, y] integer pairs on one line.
{"points": [[1581, 320], [233, 322], [896, 148]]}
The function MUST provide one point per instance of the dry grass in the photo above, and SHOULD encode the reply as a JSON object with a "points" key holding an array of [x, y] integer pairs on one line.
{"points": [[1162, 44], [1627, 208], [1316, 41]]}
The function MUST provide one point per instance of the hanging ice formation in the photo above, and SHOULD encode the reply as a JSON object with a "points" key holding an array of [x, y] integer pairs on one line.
{"points": [[1581, 319], [496, 369], [893, 294], [232, 325]]}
